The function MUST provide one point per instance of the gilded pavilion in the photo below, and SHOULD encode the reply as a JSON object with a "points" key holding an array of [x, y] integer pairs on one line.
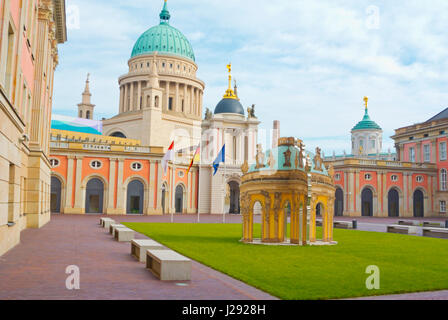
{"points": [[288, 182]]}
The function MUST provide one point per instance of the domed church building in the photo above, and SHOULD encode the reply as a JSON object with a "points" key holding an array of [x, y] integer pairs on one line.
{"points": [[160, 96]]}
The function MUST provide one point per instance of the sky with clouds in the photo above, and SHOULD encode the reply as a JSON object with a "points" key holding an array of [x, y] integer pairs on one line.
{"points": [[306, 63]]}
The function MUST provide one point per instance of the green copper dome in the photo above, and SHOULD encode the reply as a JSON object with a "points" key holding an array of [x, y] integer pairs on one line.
{"points": [[367, 123], [163, 39]]}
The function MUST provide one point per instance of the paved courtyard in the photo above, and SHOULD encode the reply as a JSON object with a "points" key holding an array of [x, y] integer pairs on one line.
{"points": [[35, 269]]}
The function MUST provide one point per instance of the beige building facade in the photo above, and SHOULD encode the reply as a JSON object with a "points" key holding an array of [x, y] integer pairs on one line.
{"points": [[30, 33]]}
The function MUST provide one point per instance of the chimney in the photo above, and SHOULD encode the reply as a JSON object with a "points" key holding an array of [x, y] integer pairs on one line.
{"points": [[275, 134]]}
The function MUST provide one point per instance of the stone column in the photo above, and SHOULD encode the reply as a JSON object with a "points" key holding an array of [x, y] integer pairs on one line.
{"points": [[131, 101], [69, 188], [176, 102], [351, 192], [167, 94], [121, 99], [80, 190], [139, 96], [125, 98], [434, 151], [191, 100], [185, 98], [358, 193], [111, 190], [120, 195]]}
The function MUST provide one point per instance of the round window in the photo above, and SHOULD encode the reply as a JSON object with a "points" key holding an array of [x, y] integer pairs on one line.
{"points": [[54, 163], [136, 166], [96, 164]]}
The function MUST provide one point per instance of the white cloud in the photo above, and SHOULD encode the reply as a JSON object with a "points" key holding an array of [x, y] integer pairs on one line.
{"points": [[307, 63]]}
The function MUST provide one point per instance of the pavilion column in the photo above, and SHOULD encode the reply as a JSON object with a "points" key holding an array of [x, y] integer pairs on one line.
{"points": [[303, 211], [139, 96], [313, 220], [330, 220], [131, 101], [111, 189]]}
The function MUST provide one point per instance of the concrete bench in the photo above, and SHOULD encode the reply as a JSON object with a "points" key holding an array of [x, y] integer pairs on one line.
{"points": [[433, 224], [408, 223], [107, 223], [103, 220], [124, 234], [113, 227], [435, 233], [402, 229], [139, 248], [343, 224], [168, 265]]}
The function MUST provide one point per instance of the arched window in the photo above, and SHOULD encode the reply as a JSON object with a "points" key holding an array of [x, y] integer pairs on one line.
{"points": [[443, 186], [87, 114], [118, 134], [80, 113]]}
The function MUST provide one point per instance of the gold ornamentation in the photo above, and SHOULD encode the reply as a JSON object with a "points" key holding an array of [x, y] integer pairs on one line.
{"points": [[287, 155], [366, 102], [245, 167], [271, 160], [260, 157], [318, 162]]}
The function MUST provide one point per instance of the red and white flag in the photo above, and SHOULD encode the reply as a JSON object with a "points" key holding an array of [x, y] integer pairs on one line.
{"points": [[169, 156]]}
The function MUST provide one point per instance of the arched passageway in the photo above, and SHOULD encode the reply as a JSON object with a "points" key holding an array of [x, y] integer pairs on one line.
{"points": [[367, 203], [393, 203], [419, 204], [56, 191], [135, 197], [94, 196], [339, 203]]}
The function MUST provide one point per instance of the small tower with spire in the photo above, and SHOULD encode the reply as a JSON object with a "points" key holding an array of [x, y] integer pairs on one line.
{"points": [[367, 136], [85, 108]]}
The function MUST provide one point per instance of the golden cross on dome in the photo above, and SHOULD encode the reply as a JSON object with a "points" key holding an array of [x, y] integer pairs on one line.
{"points": [[229, 67], [366, 101]]}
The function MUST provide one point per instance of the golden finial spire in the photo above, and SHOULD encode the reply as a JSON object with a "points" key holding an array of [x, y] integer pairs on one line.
{"points": [[230, 94], [366, 102]]}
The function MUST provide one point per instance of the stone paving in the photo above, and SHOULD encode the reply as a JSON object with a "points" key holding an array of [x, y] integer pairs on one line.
{"points": [[36, 268]]}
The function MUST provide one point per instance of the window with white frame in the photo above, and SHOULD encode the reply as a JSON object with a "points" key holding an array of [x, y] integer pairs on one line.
{"points": [[443, 180], [368, 176], [337, 177], [411, 154], [394, 178], [427, 153], [136, 166], [442, 151], [372, 144], [95, 164], [419, 179], [443, 206], [54, 163]]}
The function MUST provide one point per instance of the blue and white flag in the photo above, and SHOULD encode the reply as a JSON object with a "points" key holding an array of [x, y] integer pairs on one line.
{"points": [[221, 158]]}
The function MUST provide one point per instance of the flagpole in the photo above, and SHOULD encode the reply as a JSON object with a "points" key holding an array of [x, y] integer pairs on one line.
{"points": [[173, 196], [225, 190]]}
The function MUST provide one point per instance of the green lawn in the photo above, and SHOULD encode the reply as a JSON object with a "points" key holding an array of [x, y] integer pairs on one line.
{"points": [[407, 263]]}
